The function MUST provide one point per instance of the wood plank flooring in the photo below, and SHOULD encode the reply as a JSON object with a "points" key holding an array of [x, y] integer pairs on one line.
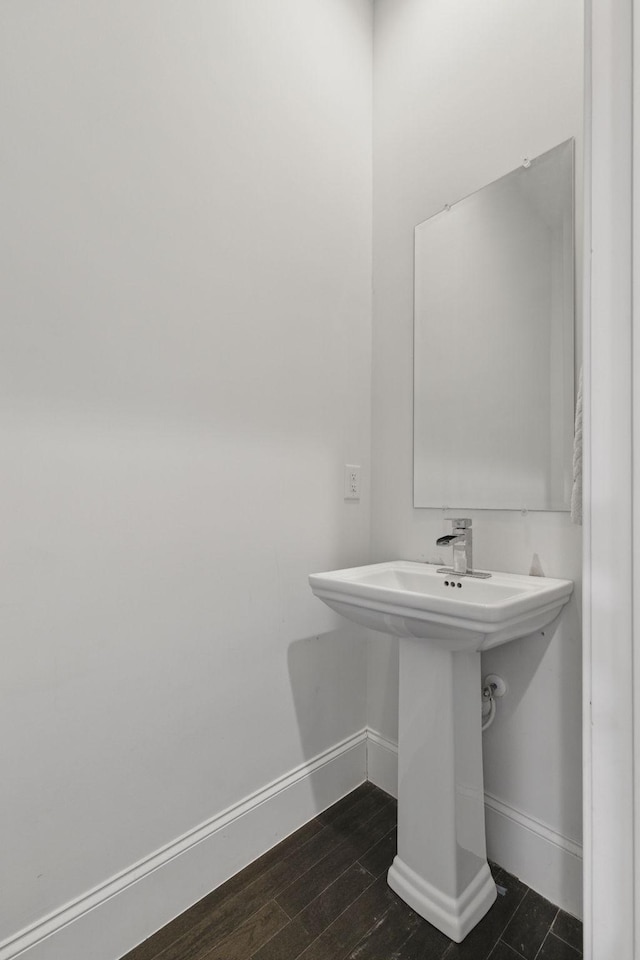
{"points": [[322, 894]]}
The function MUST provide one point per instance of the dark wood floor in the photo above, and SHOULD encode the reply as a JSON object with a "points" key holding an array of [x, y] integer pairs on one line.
{"points": [[322, 894]]}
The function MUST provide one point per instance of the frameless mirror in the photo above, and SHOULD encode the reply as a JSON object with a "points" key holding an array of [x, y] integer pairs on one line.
{"points": [[494, 323]]}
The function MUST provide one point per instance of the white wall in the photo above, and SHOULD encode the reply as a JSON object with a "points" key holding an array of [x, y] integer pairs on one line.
{"points": [[462, 93], [186, 325], [185, 303]]}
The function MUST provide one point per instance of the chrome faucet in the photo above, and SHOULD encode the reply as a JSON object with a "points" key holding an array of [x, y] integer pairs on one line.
{"points": [[462, 541]]}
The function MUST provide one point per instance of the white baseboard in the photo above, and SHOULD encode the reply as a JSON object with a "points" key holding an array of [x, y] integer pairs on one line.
{"points": [[108, 921], [382, 762], [542, 858]]}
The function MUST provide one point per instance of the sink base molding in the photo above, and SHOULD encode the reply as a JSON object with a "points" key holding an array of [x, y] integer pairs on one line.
{"points": [[454, 917], [441, 868]]}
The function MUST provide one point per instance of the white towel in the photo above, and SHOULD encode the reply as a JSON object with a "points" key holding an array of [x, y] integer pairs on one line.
{"points": [[576, 490]]}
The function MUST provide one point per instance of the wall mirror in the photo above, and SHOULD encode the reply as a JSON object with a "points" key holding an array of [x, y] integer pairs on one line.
{"points": [[493, 346]]}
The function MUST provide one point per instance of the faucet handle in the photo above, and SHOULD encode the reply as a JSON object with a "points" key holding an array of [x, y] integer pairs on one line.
{"points": [[463, 524]]}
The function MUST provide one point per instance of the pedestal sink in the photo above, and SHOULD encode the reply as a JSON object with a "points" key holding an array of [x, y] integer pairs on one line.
{"points": [[444, 622]]}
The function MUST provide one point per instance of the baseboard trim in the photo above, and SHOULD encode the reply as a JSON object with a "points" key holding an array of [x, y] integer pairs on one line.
{"points": [[184, 870], [541, 857], [533, 825], [382, 762], [545, 860], [110, 919]]}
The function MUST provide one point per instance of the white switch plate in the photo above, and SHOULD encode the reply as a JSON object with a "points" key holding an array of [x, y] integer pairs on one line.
{"points": [[351, 481]]}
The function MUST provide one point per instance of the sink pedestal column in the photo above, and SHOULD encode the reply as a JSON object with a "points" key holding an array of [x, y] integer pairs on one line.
{"points": [[441, 868]]}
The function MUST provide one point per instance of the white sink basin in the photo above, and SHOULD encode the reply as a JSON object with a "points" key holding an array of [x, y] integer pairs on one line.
{"points": [[411, 599]]}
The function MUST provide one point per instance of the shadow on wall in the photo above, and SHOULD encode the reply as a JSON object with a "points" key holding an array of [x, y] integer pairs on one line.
{"points": [[539, 713], [328, 683], [529, 652], [383, 685]]}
